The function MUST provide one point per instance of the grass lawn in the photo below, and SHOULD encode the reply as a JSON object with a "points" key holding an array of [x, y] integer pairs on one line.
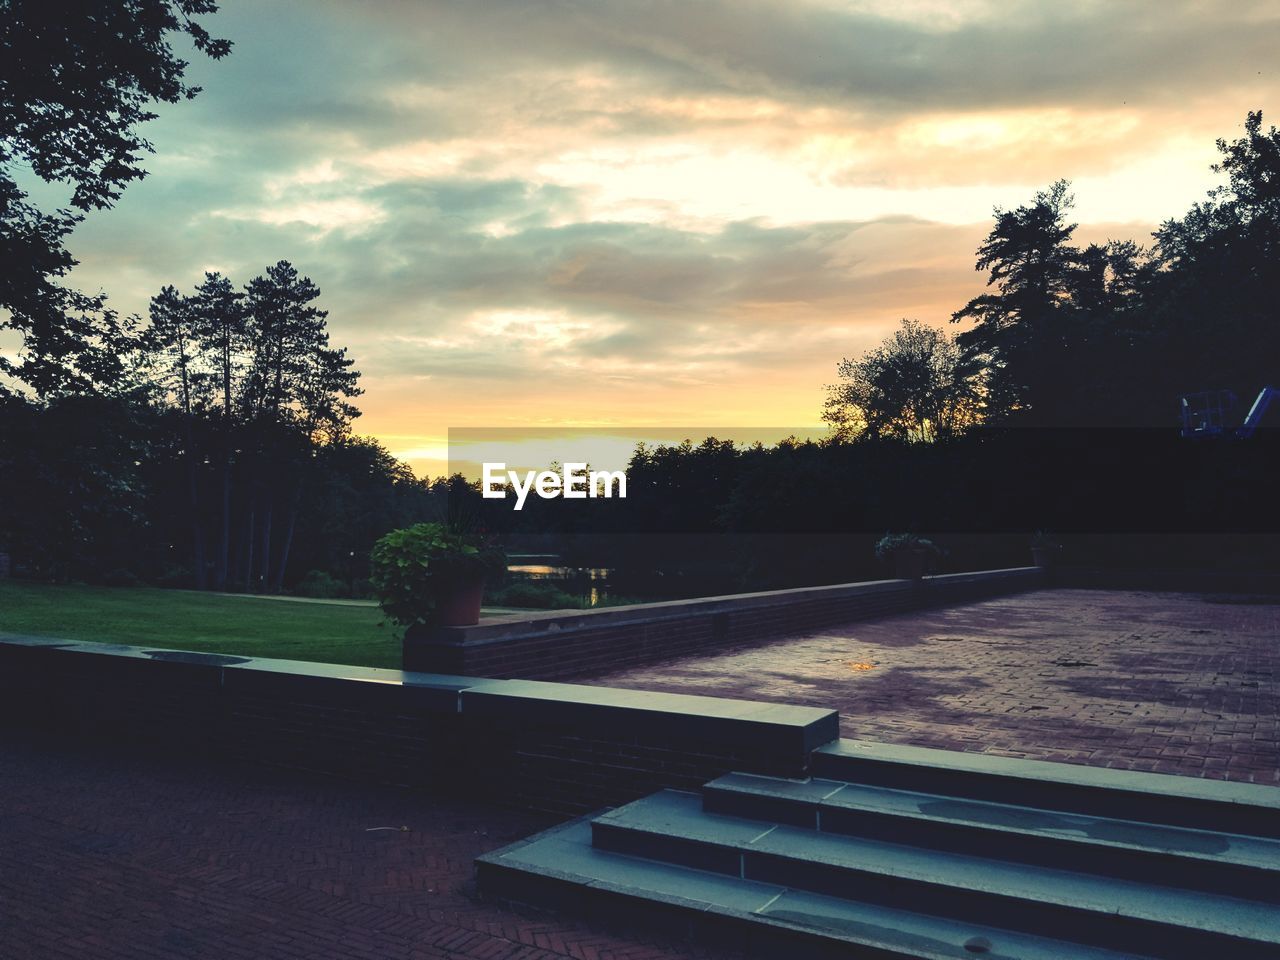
{"points": [[187, 620]]}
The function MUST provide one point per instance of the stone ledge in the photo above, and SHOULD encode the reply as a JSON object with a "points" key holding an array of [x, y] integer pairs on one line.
{"points": [[510, 626], [237, 701], [1154, 785], [560, 644], [770, 727]]}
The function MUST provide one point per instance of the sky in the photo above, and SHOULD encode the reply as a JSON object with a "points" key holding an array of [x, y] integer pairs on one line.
{"points": [[602, 214]]}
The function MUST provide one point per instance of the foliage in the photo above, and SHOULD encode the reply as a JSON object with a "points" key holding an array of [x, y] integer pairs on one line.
{"points": [[1211, 295], [410, 568], [914, 386], [894, 543], [90, 484], [294, 376], [217, 447], [1038, 335], [319, 584], [1113, 334], [76, 81], [258, 389], [534, 595], [73, 500], [72, 343]]}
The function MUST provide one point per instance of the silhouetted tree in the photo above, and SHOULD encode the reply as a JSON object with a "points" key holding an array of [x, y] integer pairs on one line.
{"points": [[1213, 298], [914, 386], [73, 500], [297, 386], [221, 326], [76, 80], [257, 390], [174, 335], [1030, 263]]}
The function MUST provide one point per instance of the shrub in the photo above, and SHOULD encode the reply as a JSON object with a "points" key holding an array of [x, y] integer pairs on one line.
{"points": [[409, 568], [892, 543], [534, 595], [319, 584]]}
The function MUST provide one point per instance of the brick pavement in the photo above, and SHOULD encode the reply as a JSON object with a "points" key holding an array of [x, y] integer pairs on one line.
{"points": [[110, 854], [1175, 683], [113, 854]]}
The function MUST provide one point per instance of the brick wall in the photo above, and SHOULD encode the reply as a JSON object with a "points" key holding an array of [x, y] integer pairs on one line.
{"points": [[543, 746], [560, 646]]}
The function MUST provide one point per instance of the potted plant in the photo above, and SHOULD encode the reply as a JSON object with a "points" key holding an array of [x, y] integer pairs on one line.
{"points": [[1044, 549], [432, 574], [911, 554]]}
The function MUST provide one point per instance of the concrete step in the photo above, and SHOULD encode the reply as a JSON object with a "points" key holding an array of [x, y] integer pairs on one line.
{"points": [[1064, 905], [560, 870], [1192, 802], [1229, 864]]}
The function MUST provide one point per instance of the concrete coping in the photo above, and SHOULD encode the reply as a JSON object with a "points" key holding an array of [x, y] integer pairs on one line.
{"points": [[678, 717], [1064, 774], [737, 724], [522, 625]]}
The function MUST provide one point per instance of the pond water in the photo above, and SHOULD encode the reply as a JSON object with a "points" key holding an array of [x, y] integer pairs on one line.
{"points": [[591, 583]]}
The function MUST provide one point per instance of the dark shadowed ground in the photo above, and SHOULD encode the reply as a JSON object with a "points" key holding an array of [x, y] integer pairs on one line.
{"points": [[115, 855]]}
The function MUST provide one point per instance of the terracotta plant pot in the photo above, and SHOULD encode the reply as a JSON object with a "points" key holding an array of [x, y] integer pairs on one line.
{"points": [[910, 564], [459, 604]]}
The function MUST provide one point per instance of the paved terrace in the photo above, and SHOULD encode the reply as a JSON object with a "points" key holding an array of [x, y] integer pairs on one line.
{"points": [[1174, 683], [109, 853], [119, 855]]}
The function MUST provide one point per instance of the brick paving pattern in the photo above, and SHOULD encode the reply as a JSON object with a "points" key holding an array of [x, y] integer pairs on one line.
{"points": [[113, 854], [116, 855], [1174, 683]]}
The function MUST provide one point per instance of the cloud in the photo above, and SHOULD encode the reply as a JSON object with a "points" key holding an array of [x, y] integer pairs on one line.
{"points": [[1012, 53], [842, 93], [535, 207]]}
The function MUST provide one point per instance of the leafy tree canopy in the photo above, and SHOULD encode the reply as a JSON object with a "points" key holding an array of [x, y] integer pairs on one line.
{"points": [[914, 386], [77, 79]]}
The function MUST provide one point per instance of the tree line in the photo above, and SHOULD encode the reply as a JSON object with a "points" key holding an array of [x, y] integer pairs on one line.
{"points": [[1102, 334], [222, 443], [258, 392], [210, 445], [207, 444], [1055, 406]]}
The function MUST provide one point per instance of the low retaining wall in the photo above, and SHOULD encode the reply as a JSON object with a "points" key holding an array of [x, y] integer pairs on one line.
{"points": [[556, 747], [566, 644]]}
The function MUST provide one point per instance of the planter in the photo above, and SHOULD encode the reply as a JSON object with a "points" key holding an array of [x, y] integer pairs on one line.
{"points": [[459, 605], [911, 564]]}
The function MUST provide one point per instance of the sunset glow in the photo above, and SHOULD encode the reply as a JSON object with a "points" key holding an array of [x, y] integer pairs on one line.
{"points": [[608, 214]]}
